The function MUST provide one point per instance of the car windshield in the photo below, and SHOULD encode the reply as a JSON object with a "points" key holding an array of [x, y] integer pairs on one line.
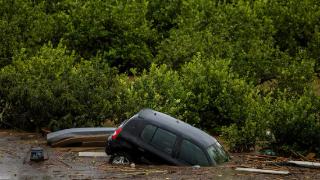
{"points": [[217, 153]]}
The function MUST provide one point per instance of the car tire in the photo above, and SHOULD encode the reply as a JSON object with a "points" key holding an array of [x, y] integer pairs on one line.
{"points": [[120, 159]]}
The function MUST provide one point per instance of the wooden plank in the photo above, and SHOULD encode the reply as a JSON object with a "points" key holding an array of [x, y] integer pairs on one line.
{"points": [[92, 154], [262, 171], [305, 164]]}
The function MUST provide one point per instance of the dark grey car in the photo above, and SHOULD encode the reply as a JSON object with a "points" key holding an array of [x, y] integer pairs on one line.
{"points": [[155, 137]]}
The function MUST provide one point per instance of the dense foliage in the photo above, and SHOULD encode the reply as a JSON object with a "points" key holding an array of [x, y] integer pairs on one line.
{"points": [[57, 90], [236, 68]]}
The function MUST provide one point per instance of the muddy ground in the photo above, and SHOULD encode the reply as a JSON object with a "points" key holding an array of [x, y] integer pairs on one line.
{"points": [[64, 163]]}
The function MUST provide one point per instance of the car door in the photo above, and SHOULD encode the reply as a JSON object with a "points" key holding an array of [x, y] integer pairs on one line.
{"points": [[159, 144], [190, 153]]}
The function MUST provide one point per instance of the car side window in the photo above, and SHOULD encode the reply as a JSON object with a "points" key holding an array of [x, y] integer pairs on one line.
{"points": [[147, 133], [192, 154], [164, 140]]}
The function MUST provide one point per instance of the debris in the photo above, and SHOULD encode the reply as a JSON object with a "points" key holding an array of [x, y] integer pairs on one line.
{"points": [[73, 132], [45, 131], [262, 171], [311, 156], [132, 165], [88, 141], [78, 149], [297, 154], [261, 157], [37, 154], [305, 164], [268, 152], [9, 152], [64, 163], [92, 154], [78, 135]]}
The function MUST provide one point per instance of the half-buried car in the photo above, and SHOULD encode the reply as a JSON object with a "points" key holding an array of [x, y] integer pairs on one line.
{"points": [[154, 137]]}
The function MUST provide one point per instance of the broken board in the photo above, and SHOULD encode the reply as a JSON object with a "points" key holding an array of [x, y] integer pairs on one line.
{"points": [[305, 164], [92, 154], [262, 171]]}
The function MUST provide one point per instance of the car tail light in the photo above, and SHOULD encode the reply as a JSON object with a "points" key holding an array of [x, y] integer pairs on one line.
{"points": [[116, 133]]}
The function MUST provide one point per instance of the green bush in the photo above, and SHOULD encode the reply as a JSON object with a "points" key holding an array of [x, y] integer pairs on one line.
{"points": [[226, 31], [23, 24], [162, 15], [215, 95], [292, 122], [296, 122], [245, 136], [118, 30], [160, 88], [205, 93], [56, 89]]}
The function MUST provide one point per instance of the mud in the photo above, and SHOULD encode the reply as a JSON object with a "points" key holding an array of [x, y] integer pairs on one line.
{"points": [[64, 163]]}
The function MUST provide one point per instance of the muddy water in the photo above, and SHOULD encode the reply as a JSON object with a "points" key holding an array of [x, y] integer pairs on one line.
{"points": [[64, 163]]}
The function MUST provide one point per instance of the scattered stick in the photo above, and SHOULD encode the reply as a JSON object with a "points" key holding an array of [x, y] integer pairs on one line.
{"points": [[297, 154], [261, 157], [262, 171], [64, 163]]}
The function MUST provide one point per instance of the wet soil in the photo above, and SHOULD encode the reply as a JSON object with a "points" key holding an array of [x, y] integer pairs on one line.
{"points": [[64, 163]]}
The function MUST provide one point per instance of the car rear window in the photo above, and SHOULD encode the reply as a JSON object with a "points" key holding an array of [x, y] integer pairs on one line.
{"points": [[217, 153], [164, 140], [126, 121], [192, 154]]}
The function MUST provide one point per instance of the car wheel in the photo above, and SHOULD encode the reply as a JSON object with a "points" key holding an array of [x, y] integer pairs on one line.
{"points": [[120, 159]]}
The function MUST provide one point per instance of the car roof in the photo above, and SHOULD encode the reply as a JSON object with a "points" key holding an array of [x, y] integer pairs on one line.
{"points": [[179, 127]]}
